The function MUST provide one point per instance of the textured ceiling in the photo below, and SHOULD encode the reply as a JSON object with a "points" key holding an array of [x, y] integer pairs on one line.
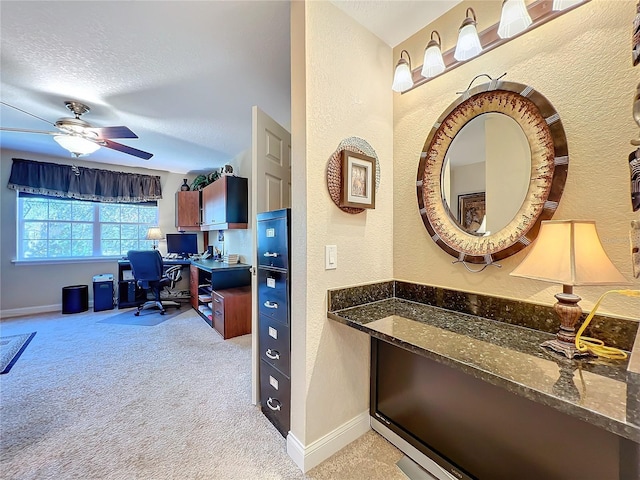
{"points": [[182, 75], [393, 21]]}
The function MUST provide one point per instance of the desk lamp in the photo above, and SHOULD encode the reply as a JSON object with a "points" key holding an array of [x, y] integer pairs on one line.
{"points": [[155, 234], [568, 252]]}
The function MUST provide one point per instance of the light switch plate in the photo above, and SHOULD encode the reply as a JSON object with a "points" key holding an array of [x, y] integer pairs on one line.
{"points": [[331, 257]]}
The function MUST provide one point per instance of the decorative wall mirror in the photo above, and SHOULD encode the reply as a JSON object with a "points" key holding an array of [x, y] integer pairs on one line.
{"points": [[492, 168]]}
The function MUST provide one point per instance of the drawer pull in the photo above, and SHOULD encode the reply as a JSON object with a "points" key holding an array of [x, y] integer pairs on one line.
{"points": [[218, 313], [272, 354], [269, 304], [269, 254], [276, 408], [216, 300]]}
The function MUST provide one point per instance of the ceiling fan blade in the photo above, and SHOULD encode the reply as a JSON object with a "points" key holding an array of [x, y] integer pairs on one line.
{"points": [[24, 111], [113, 132], [125, 149], [22, 130]]}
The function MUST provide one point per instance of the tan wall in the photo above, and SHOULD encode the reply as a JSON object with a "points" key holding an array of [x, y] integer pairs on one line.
{"points": [[581, 62], [38, 287], [347, 78]]}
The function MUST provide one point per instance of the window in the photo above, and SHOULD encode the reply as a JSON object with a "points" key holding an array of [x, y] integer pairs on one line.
{"points": [[55, 228]]}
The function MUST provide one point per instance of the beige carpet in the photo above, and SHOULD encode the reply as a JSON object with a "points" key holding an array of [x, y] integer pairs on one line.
{"points": [[97, 400]]}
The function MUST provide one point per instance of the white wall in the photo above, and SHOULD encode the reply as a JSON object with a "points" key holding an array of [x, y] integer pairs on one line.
{"points": [[341, 77], [33, 288], [508, 169], [239, 241]]}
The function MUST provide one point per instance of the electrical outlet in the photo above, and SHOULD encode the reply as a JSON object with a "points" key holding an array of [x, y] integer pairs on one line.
{"points": [[331, 257]]}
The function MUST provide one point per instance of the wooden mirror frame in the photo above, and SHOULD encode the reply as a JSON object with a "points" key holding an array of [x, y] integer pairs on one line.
{"points": [[549, 165]]}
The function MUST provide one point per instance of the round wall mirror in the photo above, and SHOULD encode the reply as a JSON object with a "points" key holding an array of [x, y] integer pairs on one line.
{"points": [[492, 168]]}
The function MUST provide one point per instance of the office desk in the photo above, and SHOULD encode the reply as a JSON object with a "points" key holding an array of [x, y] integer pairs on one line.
{"points": [[221, 294], [228, 284], [129, 295]]}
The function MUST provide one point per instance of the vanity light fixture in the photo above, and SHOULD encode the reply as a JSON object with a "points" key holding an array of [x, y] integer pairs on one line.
{"points": [[77, 145], [568, 252], [468, 45], [472, 43], [402, 79], [563, 4], [433, 62], [514, 18]]}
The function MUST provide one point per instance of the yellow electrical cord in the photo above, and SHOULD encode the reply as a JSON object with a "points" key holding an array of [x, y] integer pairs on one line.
{"points": [[595, 346]]}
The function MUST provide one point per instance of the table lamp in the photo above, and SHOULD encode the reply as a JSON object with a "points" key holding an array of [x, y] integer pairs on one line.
{"points": [[155, 234], [568, 252]]}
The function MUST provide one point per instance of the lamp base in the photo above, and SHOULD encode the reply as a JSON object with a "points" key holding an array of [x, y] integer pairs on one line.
{"points": [[569, 350], [569, 312]]}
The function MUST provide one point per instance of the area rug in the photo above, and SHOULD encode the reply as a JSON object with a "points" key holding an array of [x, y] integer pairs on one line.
{"points": [[147, 318], [11, 347]]}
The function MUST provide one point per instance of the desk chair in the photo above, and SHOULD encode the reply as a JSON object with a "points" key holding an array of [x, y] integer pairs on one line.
{"points": [[147, 269]]}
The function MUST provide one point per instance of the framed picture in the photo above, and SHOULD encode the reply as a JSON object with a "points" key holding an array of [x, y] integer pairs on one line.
{"points": [[358, 180], [471, 211]]}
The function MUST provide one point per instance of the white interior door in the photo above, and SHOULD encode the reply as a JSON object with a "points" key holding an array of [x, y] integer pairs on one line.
{"points": [[270, 190]]}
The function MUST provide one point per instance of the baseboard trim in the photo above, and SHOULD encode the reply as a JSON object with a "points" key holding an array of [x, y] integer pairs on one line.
{"points": [[21, 312], [315, 453]]}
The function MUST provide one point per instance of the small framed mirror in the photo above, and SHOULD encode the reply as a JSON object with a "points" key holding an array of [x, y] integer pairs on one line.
{"points": [[492, 168]]}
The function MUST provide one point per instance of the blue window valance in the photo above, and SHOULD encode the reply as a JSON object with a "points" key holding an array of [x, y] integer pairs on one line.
{"points": [[70, 181]]}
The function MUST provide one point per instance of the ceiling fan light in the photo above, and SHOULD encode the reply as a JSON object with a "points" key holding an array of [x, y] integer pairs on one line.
{"points": [[468, 45], [78, 146], [433, 62], [402, 79], [514, 18], [564, 4]]}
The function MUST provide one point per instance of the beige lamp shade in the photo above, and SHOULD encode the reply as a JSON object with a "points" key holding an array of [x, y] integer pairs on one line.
{"points": [[154, 233], [569, 252]]}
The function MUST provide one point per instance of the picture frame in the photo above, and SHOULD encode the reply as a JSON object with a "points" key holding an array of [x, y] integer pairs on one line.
{"points": [[471, 211], [358, 188]]}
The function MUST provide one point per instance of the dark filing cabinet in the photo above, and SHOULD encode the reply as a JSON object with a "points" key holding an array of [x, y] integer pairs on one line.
{"points": [[274, 314]]}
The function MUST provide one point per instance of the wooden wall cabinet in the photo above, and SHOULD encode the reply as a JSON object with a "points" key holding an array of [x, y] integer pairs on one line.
{"points": [[225, 204], [188, 211]]}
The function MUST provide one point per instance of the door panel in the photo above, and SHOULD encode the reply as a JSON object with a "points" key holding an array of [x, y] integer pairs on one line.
{"points": [[270, 190]]}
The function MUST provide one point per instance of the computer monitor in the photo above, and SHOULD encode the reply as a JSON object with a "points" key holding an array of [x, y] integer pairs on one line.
{"points": [[184, 244]]}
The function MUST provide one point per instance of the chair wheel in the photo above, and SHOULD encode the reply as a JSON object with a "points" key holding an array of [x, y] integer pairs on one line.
{"points": [[162, 312], [137, 314]]}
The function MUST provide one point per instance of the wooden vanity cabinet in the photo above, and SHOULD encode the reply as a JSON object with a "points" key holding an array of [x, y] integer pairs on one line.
{"points": [[225, 204], [188, 211]]}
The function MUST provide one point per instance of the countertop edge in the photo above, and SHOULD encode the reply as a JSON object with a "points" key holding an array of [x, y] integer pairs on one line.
{"points": [[607, 423]]}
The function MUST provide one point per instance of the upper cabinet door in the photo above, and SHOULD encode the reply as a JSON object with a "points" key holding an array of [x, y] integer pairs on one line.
{"points": [[188, 210], [225, 204]]}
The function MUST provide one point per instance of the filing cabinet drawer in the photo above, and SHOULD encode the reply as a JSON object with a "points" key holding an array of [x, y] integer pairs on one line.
{"points": [[273, 243], [273, 288], [275, 395], [275, 344]]}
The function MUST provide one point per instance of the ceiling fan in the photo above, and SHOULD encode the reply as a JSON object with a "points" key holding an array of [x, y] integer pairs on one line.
{"points": [[81, 138]]}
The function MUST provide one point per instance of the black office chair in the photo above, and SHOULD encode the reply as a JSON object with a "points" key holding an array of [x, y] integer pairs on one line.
{"points": [[147, 269]]}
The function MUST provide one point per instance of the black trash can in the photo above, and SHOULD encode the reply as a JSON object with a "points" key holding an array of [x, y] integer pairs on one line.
{"points": [[75, 299]]}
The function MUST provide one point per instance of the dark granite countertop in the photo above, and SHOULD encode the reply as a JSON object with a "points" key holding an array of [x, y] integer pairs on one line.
{"points": [[598, 391], [214, 266]]}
